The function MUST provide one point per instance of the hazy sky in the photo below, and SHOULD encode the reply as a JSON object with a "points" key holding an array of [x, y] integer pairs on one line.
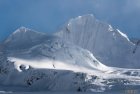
{"points": [[49, 15]]}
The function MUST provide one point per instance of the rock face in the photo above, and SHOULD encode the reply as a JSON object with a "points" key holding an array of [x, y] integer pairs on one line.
{"points": [[109, 45]]}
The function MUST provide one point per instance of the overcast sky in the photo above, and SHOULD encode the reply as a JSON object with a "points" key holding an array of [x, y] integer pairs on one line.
{"points": [[49, 15]]}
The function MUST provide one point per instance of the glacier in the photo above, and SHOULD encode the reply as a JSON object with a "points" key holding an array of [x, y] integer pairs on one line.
{"points": [[86, 55]]}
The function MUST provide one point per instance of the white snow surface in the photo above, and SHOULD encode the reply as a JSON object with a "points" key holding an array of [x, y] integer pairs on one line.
{"points": [[53, 53], [111, 48], [32, 61]]}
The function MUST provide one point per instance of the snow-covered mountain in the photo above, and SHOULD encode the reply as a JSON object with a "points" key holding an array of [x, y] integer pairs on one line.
{"points": [[23, 38], [27, 44], [34, 61], [61, 66], [109, 45]]}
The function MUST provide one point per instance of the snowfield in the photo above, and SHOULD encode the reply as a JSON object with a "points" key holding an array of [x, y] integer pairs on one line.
{"points": [[69, 61]]}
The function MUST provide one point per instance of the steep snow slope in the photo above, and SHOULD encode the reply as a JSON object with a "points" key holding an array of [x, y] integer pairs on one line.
{"points": [[50, 64], [52, 50], [109, 45]]}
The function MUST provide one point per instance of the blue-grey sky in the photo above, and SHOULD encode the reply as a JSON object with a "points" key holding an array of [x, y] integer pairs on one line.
{"points": [[49, 15]]}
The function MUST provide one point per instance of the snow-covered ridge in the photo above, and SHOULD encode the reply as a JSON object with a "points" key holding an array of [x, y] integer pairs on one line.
{"points": [[61, 67], [111, 48], [72, 59], [52, 61], [58, 54], [22, 29], [24, 38], [124, 35]]}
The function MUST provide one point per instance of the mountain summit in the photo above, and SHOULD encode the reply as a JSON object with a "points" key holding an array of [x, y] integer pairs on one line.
{"points": [[72, 59], [24, 38], [109, 45]]}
